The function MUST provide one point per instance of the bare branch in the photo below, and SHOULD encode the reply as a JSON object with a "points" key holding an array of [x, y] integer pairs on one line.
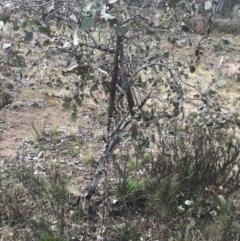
{"points": [[100, 70]]}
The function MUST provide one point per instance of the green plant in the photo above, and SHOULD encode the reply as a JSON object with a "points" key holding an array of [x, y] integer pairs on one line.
{"points": [[77, 215], [73, 130], [89, 158], [163, 196], [219, 47], [134, 164], [131, 233], [50, 237], [5, 97], [35, 196], [74, 152], [128, 187], [54, 130]]}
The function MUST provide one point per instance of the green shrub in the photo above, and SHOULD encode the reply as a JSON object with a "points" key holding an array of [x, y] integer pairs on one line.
{"points": [[50, 237], [33, 200]]}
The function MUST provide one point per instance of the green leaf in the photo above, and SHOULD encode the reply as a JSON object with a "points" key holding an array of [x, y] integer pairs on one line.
{"points": [[180, 43], [213, 213], [46, 42], [203, 38], [146, 143], [19, 70], [153, 139], [209, 200], [73, 116], [138, 23], [66, 102], [121, 30], [222, 200], [106, 86], [5, 18], [220, 81], [97, 7], [28, 37], [81, 70], [37, 44], [192, 68], [188, 202], [94, 99], [123, 133], [107, 16], [34, 22], [19, 61], [87, 24], [29, 52], [180, 208], [16, 27], [59, 24], [58, 4], [176, 112], [94, 88], [172, 39], [105, 105], [45, 30], [49, 53], [193, 115], [172, 3], [181, 6], [74, 108], [192, 221], [176, 105], [207, 90], [165, 55], [24, 24], [150, 32], [111, 1], [208, 6], [88, 6], [78, 101]]}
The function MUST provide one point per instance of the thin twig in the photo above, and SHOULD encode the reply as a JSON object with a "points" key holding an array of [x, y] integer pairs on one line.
{"points": [[36, 131]]}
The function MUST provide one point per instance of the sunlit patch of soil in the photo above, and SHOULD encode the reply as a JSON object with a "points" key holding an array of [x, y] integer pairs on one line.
{"points": [[18, 124]]}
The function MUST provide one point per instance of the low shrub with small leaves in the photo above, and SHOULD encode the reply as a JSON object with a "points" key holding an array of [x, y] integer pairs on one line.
{"points": [[32, 201], [193, 175], [185, 185]]}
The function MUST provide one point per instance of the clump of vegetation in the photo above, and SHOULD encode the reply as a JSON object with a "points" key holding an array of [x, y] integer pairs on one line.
{"points": [[89, 158], [127, 188], [5, 98], [52, 131], [50, 237], [34, 201], [73, 130], [191, 180], [17, 104]]}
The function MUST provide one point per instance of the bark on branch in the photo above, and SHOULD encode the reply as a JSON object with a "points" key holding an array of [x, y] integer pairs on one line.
{"points": [[125, 85]]}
